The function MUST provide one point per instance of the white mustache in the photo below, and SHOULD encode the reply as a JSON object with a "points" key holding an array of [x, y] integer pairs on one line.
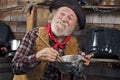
{"points": [[62, 23]]}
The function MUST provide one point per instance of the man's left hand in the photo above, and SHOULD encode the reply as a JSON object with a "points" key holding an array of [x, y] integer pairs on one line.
{"points": [[86, 58]]}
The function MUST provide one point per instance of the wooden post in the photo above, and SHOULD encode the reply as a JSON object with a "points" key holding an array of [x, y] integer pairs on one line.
{"points": [[31, 19]]}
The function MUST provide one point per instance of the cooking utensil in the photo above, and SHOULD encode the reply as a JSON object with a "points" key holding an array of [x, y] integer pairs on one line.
{"points": [[58, 57], [72, 64], [104, 42], [14, 43]]}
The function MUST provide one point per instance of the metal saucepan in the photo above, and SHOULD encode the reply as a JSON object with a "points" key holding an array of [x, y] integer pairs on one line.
{"points": [[72, 64], [14, 44]]}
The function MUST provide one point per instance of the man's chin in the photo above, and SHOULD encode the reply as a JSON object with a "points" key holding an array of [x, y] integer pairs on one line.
{"points": [[60, 34]]}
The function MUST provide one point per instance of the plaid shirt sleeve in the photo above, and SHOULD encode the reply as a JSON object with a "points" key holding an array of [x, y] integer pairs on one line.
{"points": [[24, 58]]}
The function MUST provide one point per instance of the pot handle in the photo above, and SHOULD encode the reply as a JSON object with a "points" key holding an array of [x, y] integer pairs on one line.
{"points": [[99, 30]]}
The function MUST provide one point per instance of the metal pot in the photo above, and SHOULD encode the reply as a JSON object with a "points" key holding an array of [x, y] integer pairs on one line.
{"points": [[72, 64], [104, 41], [14, 44]]}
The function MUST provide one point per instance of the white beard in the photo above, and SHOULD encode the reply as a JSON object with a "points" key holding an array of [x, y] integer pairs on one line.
{"points": [[60, 28]]}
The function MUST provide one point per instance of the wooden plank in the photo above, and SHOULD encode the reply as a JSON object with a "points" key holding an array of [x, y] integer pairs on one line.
{"points": [[42, 16], [19, 35], [11, 3], [3, 4], [10, 9], [24, 17], [13, 26], [31, 19], [108, 18], [102, 24], [21, 2], [16, 15], [5, 16], [18, 26], [89, 16], [117, 18], [117, 26], [101, 7], [21, 27], [97, 17], [105, 60]]}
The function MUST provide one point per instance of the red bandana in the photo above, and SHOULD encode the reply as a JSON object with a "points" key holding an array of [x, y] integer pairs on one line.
{"points": [[57, 43]]}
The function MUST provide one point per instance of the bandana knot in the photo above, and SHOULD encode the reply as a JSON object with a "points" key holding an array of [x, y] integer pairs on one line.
{"points": [[53, 37]]}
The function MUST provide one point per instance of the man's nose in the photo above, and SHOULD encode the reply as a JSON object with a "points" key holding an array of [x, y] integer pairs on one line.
{"points": [[65, 18]]}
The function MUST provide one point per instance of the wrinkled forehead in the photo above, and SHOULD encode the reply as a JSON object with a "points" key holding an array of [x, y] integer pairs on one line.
{"points": [[67, 10]]}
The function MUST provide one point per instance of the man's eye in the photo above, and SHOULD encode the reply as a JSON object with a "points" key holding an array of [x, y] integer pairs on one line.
{"points": [[62, 14], [70, 18]]}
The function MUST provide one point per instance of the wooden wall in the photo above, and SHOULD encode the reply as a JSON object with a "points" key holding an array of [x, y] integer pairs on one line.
{"points": [[107, 19], [11, 13]]}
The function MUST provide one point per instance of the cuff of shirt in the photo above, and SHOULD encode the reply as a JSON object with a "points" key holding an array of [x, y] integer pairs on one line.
{"points": [[34, 59]]}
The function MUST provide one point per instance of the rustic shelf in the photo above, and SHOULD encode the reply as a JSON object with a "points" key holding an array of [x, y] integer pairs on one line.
{"points": [[11, 8], [105, 60], [102, 7]]}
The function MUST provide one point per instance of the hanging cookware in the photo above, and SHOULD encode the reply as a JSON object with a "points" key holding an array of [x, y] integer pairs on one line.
{"points": [[104, 42], [72, 64], [14, 44]]}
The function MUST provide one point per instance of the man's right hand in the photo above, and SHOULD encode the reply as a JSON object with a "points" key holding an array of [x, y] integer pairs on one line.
{"points": [[47, 54]]}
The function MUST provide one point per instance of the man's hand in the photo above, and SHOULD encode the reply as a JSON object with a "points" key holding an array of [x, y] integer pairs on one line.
{"points": [[86, 58], [47, 54]]}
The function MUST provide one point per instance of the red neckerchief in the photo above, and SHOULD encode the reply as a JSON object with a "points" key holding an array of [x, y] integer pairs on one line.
{"points": [[57, 43]]}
